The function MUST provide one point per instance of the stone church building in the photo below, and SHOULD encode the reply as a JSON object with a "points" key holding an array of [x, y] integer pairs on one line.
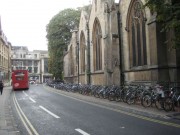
{"points": [[118, 43]]}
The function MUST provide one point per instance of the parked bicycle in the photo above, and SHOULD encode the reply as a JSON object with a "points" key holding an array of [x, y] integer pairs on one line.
{"points": [[173, 100]]}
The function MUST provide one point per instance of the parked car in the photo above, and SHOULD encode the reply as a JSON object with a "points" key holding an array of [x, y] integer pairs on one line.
{"points": [[32, 82]]}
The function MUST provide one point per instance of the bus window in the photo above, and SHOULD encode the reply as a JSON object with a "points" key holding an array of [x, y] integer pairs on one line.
{"points": [[19, 75], [19, 78]]}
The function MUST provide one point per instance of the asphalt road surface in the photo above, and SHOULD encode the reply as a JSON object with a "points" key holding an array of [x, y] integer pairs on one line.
{"points": [[40, 111]]}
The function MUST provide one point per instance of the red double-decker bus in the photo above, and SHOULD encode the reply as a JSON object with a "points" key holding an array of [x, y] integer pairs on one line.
{"points": [[20, 79]]}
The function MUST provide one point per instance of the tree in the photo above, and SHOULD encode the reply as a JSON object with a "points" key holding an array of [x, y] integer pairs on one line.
{"points": [[58, 36], [168, 13]]}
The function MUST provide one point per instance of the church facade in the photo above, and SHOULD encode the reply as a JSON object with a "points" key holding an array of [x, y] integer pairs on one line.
{"points": [[117, 43]]}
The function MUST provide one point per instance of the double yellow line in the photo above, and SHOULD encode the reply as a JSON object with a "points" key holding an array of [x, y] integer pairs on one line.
{"points": [[29, 127]]}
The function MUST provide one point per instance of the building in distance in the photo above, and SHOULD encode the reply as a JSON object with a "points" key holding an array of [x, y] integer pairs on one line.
{"points": [[36, 62]]}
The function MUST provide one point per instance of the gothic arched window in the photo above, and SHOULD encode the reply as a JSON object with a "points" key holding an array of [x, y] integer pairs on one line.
{"points": [[137, 34], [82, 52], [97, 46]]}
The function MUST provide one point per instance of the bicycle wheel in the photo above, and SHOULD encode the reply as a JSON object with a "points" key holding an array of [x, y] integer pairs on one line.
{"points": [[168, 104], [131, 99], [111, 96], [159, 104], [96, 95], [105, 95], [118, 98], [146, 101]]}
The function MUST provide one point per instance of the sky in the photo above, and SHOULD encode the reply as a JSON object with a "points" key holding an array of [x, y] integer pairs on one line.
{"points": [[24, 21]]}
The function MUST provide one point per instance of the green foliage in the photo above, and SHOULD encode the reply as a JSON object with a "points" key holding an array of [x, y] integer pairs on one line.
{"points": [[58, 36], [168, 13]]}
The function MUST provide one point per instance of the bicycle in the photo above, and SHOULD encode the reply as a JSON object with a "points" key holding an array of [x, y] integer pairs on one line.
{"points": [[173, 100]]}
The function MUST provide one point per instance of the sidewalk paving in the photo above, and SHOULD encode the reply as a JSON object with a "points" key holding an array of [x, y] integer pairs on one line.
{"points": [[7, 123]]}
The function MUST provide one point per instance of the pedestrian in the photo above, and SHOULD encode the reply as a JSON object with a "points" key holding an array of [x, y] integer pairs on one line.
{"points": [[1, 86]]}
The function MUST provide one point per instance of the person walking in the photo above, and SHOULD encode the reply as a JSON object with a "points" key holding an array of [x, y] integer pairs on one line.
{"points": [[1, 86]]}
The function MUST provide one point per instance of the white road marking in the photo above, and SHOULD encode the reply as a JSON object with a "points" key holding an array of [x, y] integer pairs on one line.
{"points": [[25, 93], [81, 131], [122, 127], [32, 100], [54, 115]]}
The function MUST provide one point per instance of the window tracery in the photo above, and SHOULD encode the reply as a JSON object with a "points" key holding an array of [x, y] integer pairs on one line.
{"points": [[137, 35]]}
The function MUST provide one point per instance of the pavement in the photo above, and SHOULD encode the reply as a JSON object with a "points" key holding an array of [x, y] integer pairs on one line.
{"points": [[8, 124]]}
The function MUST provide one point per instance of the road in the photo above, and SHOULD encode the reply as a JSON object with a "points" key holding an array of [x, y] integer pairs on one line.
{"points": [[42, 111]]}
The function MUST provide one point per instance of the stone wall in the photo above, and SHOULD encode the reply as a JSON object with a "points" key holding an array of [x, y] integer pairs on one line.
{"points": [[162, 63]]}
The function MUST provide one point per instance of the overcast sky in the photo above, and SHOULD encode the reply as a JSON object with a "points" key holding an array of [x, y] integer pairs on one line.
{"points": [[24, 21]]}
